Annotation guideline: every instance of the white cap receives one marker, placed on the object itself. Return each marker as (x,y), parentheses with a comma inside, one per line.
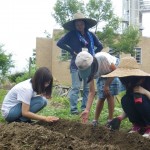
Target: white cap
(83,62)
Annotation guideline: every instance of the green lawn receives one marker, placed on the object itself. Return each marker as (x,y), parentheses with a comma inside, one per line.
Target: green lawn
(59,106)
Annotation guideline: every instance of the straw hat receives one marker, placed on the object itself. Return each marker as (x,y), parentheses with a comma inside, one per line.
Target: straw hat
(127,67)
(79,16)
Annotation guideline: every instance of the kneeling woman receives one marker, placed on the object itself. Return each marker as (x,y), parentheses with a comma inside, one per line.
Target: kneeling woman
(136,101)
(27,98)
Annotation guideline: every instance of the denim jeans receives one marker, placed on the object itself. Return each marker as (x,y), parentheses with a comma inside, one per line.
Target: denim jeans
(15,113)
(75,89)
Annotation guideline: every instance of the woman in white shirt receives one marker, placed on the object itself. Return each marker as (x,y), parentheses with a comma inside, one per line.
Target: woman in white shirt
(92,68)
(27,98)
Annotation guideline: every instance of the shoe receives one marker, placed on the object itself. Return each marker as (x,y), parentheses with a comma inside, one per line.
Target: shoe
(95,123)
(147,133)
(17,120)
(113,124)
(25,121)
(108,123)
(29,121)
(135,128)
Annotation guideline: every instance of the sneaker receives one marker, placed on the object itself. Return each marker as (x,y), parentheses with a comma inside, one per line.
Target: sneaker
(95,123)
(147,133)
(108,123)
(135,128)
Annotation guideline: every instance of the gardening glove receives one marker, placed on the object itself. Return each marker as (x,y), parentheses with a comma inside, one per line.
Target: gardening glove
(114,124)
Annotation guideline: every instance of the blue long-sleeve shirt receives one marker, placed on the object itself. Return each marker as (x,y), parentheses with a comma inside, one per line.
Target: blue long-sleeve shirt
(71,43)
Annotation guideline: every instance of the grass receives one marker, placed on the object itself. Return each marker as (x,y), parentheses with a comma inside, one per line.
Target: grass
(2,95)
(60,107)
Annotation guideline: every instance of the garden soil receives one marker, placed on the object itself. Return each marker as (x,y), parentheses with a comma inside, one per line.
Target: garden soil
(67,135)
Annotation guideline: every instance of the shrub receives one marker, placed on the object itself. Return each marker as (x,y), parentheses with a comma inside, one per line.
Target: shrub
(13,77)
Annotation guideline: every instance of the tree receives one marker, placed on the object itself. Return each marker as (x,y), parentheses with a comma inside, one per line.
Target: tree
(102,12)
(64,10)
(5,61)
(32,63)
(127,41)
(33,58)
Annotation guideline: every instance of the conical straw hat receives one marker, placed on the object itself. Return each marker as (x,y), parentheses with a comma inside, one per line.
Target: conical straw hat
(79,16)
(128,67)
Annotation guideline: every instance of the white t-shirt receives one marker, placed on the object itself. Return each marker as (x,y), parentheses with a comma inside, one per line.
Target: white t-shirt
(104,61)
(21,92)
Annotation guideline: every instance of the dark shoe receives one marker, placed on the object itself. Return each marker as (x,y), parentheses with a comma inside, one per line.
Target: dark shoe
(18,120)
(95,123)
(108,123)
(114,124)
(27,121)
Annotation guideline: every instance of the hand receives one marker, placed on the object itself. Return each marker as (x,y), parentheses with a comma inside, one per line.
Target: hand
(84,116)
(114,124)
(51,119)
(139,89)
(106,90)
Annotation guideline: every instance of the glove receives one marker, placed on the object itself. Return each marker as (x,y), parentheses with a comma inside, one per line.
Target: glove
(114,124)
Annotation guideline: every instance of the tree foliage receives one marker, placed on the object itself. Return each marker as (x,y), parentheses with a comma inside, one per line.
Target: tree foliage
(5,61)
(64,10)
(102,11)
(127,41)
(108,26)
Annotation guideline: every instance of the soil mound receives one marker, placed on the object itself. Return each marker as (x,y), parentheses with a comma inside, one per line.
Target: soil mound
(67,135)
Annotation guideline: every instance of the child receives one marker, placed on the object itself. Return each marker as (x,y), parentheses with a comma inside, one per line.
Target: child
(27,98)
(136,101)
(92,68)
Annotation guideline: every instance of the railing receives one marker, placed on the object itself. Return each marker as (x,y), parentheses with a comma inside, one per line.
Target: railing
(61,90)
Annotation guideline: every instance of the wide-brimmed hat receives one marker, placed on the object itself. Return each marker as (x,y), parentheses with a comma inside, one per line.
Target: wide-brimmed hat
(83,62)
(79,16)
(128,67)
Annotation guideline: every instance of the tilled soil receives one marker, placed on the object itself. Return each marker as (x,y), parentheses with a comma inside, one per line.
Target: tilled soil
(67,135)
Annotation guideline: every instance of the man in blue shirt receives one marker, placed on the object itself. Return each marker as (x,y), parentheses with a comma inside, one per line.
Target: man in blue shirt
(78,39)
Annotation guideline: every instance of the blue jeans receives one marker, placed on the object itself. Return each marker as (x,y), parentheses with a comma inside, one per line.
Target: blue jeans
(15,113)
(75,89)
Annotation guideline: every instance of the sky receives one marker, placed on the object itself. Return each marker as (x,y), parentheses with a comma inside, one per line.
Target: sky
(24,20)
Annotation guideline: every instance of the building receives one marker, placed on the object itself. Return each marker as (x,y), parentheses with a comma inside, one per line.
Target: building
(48,54)
(132,12)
